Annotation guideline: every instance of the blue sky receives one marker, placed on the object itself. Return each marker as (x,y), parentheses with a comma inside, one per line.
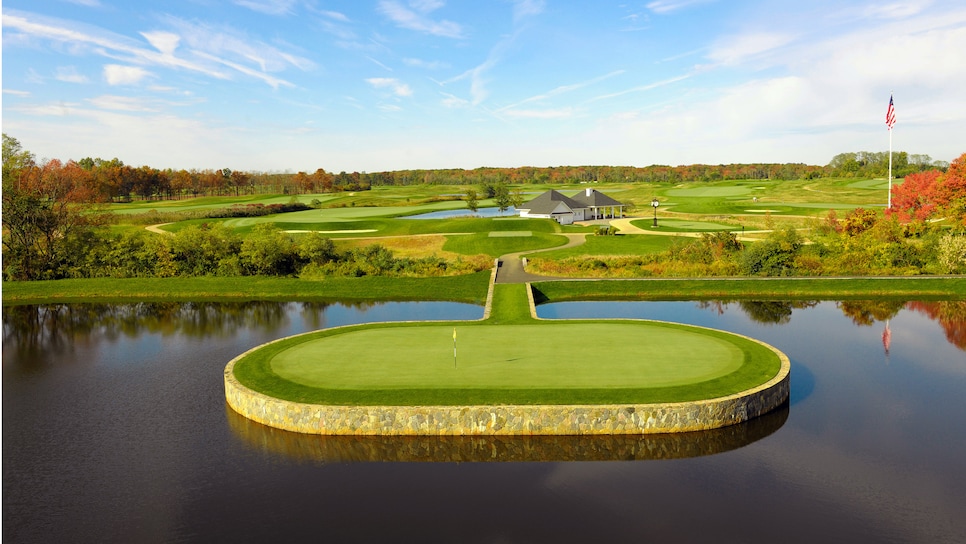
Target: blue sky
(373,85)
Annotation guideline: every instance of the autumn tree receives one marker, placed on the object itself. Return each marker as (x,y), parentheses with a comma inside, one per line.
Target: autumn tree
(924,195)
(950,192)
(914,199)
(44,222)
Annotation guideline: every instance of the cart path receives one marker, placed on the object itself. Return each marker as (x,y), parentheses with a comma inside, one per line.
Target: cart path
(510,266)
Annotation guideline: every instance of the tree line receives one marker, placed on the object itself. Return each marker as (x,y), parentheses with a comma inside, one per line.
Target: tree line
(51,229)
(100,180)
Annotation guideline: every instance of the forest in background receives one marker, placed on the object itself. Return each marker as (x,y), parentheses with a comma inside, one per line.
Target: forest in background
(99,180)
(51,230)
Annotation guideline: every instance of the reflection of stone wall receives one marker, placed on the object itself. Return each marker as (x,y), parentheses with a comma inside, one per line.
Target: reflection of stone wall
(461,449)
(507,419)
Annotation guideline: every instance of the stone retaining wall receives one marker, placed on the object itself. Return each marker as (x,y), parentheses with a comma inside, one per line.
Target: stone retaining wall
(508,419)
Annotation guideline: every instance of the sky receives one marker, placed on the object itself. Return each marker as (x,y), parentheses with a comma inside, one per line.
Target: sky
(378,85)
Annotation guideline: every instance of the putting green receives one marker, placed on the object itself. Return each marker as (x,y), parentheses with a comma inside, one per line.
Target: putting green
(539,363)
(510,356)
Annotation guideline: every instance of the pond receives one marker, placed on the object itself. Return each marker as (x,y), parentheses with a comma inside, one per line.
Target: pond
(465,212)
(115,429)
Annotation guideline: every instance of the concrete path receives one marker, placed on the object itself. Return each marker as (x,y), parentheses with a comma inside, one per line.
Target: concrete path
(510,267)
(157,229)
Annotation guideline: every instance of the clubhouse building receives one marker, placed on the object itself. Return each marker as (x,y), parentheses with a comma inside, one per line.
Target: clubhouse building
(586,205)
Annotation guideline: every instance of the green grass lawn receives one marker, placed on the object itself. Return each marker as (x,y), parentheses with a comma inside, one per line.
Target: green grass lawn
(683,225)
(917,288)
(469,288)
(495,246)
(596,246)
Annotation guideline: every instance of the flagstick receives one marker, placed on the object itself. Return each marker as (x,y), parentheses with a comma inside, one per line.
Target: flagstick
(454,347)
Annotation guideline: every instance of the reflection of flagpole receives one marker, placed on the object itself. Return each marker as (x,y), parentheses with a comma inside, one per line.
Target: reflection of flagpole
(886,338)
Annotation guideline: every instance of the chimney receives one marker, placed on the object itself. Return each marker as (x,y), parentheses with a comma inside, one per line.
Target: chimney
(588,191)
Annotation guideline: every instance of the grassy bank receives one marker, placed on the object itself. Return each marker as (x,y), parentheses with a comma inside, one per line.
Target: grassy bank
(470,288)
(921,288)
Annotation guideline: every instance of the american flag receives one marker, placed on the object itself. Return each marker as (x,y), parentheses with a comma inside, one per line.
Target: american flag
(890,114)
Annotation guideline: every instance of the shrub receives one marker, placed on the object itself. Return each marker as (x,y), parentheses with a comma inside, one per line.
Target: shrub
(951,254)
(267,251)
(775,256)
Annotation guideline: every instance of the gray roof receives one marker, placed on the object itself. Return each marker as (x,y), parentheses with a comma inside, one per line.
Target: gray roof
(546,203)
(596,199)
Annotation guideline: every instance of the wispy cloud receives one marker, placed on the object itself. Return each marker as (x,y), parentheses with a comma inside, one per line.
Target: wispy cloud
(379,64)
(121,103)
(454,102)
(268,7)
(896,10)
(14,92)
(527,8)
(561,113)
(192,46)
(416,17)
(397,87)
(641,88)
(84,38)
(335,16)
(235,46)
(164,42)
(734,50)
(271,80)
(88,3)
(115,74)
(69,74)
(147,104)
(427,64)
(564,89)
(667,6)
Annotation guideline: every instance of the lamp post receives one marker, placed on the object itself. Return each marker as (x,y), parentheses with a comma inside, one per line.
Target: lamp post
(655,204)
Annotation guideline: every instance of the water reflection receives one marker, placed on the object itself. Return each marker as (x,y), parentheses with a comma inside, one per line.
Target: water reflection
(34,332)
(949,315)
(461,449)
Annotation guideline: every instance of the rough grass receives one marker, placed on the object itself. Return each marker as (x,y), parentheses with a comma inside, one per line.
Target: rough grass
(919,288)
(470,288)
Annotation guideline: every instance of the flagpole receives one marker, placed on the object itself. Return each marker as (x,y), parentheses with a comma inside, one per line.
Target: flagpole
(889,204)
(890,120)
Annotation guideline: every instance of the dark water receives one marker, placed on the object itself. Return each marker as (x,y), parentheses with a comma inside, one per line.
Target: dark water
(115,429)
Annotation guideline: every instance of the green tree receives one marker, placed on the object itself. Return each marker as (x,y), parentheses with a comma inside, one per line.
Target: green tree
(205,250)
(17,161)
(502,197)
(472,201)
(313,248)
(267,251)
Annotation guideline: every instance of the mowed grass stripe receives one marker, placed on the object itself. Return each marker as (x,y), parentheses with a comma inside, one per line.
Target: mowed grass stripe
(569,356)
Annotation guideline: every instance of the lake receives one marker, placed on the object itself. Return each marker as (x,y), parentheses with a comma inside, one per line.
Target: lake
(115,429)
